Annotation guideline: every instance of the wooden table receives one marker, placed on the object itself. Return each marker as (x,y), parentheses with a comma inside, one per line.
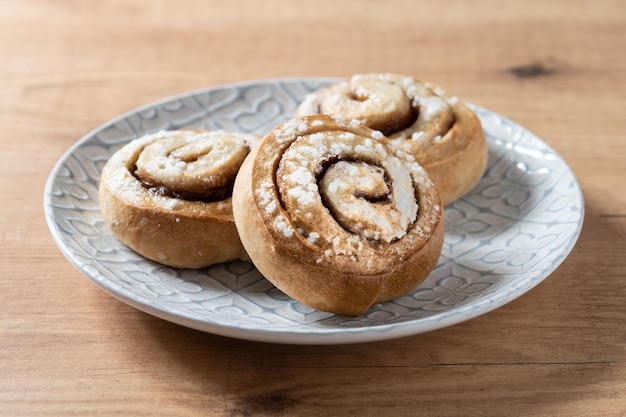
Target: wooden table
(555,67)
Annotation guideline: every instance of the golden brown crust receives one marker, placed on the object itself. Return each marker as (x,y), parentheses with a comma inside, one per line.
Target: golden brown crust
(440,131)
(161,226)
(370,248)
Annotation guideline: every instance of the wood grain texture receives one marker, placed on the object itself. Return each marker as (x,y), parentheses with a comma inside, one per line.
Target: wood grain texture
(556,67)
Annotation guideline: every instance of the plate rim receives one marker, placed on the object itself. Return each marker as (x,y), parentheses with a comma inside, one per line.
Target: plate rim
(285,335)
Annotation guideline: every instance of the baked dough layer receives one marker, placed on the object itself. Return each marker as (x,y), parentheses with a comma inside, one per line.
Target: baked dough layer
(443,134)
(167,196)
(335,216)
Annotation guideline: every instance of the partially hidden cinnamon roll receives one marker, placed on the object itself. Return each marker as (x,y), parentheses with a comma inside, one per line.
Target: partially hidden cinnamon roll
(335,216)
(443,134)
(167,196)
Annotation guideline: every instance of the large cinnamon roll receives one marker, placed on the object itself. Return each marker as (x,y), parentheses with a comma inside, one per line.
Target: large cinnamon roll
(167,196)
(335,216)
(440,131)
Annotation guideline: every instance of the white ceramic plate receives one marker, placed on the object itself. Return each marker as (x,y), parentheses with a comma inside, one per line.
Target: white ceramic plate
(502,239)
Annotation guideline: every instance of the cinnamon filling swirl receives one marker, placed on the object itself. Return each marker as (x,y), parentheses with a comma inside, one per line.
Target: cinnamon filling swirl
(335,216)
(168,196)
(439,131)
(191,166)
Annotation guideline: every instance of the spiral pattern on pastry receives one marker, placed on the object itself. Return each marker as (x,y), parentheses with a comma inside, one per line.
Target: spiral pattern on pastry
(167,196)
(335,216)
(440,131)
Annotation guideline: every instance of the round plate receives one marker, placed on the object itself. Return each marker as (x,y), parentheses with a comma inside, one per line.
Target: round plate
(503,238)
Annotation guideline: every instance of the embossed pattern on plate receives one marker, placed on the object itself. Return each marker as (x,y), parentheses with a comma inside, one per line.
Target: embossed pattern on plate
(502,239)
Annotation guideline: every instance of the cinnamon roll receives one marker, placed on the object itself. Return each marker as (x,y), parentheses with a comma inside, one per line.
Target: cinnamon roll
(440,131)
(167,196)
(335,216)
